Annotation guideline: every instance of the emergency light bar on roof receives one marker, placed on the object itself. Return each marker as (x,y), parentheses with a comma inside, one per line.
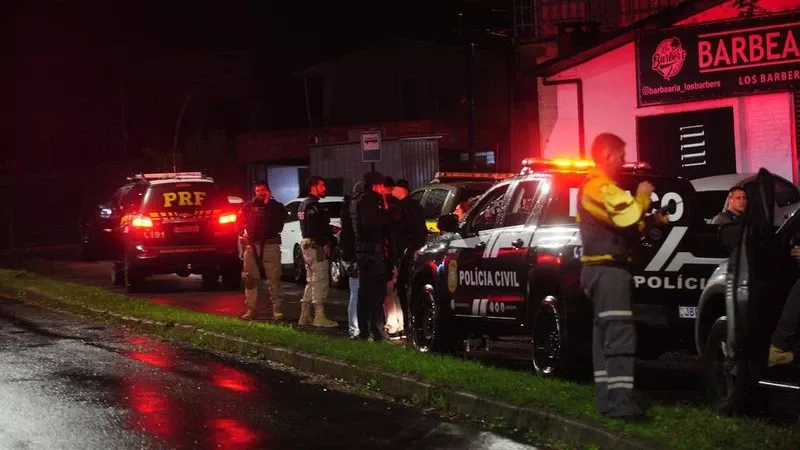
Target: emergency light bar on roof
(167,175)
(472,176)
(530,165)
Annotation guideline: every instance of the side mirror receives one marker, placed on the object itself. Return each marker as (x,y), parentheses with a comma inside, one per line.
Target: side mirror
(104,211)
(448,223)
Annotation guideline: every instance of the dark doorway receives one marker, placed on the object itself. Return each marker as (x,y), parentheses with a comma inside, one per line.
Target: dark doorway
(691,144)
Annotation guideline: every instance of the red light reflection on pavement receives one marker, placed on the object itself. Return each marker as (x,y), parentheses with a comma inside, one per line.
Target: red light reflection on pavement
(230,378)
(154,353)
(155,414)
(226,304)
(231,434)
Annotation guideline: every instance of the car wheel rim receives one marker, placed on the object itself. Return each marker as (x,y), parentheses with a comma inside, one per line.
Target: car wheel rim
(546,340)
(336,273)
(424,321)
(724,372)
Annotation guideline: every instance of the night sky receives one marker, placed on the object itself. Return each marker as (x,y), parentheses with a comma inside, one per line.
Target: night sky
(75,69)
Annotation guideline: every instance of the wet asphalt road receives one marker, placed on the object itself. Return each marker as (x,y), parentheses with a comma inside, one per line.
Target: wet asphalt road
(70,384)
(673,378)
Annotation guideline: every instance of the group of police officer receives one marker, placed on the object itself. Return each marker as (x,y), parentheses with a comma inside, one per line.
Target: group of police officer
(381,228)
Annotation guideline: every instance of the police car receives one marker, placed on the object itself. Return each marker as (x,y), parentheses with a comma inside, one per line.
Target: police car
(182,223)
(512,268)
(448,189)
(735,364)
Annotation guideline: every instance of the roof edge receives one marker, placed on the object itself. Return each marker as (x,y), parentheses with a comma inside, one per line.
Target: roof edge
(614,40)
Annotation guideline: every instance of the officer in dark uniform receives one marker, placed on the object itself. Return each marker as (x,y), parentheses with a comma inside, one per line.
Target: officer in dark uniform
(736,204)
(610,221)
(263,219)
(315,226)
(371,220)
(410,240)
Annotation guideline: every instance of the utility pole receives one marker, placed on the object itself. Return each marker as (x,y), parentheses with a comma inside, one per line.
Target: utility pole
(471,105)
(177,132)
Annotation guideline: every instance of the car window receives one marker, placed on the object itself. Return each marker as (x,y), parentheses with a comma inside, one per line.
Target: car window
(133,197)
(785,193)
(183,197)
(563,194)
(521,203)
(486,212)
(417,196)
(291,207)
(471,190)
(433,203)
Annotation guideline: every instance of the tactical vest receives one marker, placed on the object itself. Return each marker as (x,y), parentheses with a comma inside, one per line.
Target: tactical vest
(599,238)
(306,225)
(257,219)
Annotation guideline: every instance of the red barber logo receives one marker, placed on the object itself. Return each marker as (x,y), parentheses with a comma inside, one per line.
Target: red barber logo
(669,57)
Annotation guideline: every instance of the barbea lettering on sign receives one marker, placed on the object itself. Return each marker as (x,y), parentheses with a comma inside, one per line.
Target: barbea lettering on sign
(767,46)
(183,198)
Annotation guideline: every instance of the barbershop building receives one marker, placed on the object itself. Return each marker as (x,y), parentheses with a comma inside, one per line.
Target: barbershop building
(711,94)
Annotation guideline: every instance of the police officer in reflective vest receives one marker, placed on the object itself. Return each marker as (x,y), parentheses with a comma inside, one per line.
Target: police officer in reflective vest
(263,219)
(610,221)
(315,226)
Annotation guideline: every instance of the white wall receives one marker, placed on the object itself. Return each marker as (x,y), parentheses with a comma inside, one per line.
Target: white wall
(763,124)
(284,182)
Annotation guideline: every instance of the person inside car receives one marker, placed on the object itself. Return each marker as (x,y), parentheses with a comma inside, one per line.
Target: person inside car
(737,202)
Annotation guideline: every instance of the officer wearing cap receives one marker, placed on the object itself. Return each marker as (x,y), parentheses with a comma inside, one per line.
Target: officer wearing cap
(610,221)
(263,219)
(315,226)
(371,220)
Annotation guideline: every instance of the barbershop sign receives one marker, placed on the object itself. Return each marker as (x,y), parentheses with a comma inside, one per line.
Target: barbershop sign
(719,59)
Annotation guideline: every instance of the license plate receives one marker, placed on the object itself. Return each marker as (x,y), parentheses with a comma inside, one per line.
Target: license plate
(187,228)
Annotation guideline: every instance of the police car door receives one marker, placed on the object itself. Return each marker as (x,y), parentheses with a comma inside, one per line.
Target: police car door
(466,256)
(753,266)
(505,263)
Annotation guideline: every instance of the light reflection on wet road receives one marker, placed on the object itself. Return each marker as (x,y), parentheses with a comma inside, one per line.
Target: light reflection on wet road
(67,383)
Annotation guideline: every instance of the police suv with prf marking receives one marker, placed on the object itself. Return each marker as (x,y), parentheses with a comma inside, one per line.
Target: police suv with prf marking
(512,267)
(181,223)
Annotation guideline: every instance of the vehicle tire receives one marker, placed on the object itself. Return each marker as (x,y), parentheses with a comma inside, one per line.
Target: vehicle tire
(210,280)
(554,350)
(428,329)
(232,276)
(298,265)
(118,274)
(728,382)
(134,279)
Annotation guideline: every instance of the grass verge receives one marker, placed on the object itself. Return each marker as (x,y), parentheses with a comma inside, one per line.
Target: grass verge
(675,426)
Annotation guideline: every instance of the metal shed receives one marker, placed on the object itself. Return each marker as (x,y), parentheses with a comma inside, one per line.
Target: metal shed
(415,159)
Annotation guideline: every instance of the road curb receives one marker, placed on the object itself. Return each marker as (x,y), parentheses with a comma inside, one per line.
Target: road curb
(518,417)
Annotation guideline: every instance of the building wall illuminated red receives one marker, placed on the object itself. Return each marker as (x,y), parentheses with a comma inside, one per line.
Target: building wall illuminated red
(764,124)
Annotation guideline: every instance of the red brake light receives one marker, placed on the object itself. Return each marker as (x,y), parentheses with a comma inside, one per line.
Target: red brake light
(142,222)
(544,258)
(227,218)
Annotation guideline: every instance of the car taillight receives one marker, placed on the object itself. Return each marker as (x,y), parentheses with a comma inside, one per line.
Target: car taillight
(142,222)
(544,258)
(227,218)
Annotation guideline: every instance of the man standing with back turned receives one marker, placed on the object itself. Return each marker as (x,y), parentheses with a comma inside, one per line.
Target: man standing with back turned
(610,221)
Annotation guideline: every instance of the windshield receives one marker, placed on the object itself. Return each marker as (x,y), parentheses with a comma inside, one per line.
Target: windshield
(184,197)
